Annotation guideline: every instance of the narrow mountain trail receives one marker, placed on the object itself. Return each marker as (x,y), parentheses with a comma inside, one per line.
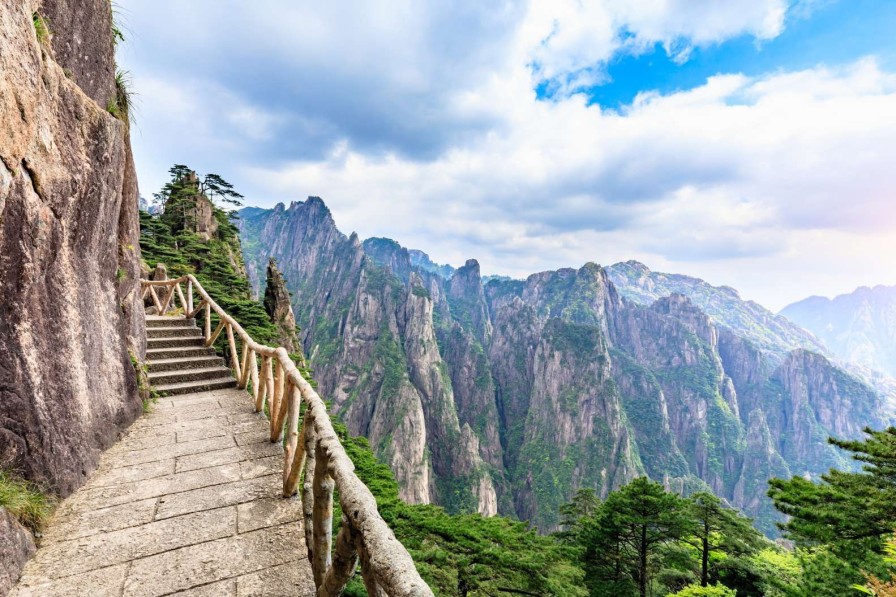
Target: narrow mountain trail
(187,503)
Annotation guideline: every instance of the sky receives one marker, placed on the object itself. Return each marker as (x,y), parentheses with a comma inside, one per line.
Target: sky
(751,143)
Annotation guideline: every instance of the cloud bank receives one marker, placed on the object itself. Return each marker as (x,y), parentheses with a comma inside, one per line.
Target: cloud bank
(423,124)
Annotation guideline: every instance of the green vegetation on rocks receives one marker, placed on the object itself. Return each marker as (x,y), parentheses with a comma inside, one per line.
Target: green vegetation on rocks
(25,501)
(465,555)
(173,237)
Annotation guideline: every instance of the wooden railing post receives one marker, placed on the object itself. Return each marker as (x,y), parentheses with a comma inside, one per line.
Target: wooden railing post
(155,300)
(292,450)
(298,460)
(308,486)
(345,560)
(221,325)
(244,367)
(189,296)
(234,359)
(180,297)
(322,516)
(276,405)
(167,299)
(367,575)
(208,322)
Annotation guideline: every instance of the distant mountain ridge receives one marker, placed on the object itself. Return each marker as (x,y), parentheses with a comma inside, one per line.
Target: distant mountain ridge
(859,327)
(749,319)
(507,396)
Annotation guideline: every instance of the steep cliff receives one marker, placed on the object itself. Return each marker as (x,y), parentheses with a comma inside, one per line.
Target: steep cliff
(507,397)
(279,308)
(69,262)
(371,339)
(70,315)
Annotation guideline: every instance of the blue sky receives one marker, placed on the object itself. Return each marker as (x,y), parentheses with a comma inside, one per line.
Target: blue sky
(748,142)
(833,32)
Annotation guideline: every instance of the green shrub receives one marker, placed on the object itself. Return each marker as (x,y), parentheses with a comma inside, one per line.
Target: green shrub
(716,590)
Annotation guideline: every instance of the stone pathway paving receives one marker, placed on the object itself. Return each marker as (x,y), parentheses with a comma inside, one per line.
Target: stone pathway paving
(187,504)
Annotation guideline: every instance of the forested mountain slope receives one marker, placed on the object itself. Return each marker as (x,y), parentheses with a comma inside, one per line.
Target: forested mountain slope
(507,397)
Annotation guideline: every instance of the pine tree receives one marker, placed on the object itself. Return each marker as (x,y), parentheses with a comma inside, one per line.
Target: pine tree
(720,530)
(848,515)
(628,531)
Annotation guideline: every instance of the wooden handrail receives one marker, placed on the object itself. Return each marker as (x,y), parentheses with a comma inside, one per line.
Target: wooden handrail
(313,448)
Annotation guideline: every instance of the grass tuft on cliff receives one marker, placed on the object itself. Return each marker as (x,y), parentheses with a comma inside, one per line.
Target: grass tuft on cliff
(121,105)
(24,501)
(41,29)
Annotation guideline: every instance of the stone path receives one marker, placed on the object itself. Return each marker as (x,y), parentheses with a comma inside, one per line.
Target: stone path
(187,504)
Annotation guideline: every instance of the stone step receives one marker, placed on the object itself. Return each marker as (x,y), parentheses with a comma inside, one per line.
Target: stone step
(192,362)
(190,387)
(187,342)
(157,321)
(185,352)
(173,332)
(163,378)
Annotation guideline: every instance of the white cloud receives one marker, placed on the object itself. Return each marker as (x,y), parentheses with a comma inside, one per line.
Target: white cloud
(420,122)
(570,40)
(708,180)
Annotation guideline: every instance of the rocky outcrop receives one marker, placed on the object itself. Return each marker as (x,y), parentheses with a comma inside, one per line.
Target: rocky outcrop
(279,308)
(373,344)
(507,398)
(69,260)
(16,546)
(201,211)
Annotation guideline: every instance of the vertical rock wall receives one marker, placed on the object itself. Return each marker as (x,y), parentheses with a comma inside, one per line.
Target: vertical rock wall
(69,256)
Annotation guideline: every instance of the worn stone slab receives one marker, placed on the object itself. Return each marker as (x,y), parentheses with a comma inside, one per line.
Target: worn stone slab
(174,450)
(251,437)
(189,567)
(238,454)
(131,474)
(183,415)
(143,441)
(215,589)
(261,467)
(217,496)
(189,435)
(106,582)
(248,416)
(189,400)
(104,497)
(207,428)
(83,523)
(286,580)
(264,513)
(98,551)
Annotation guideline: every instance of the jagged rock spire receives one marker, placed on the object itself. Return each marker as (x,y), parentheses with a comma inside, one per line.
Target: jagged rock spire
(277,304)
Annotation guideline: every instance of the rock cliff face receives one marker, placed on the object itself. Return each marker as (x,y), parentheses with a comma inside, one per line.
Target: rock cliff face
(279,308)
(16,546)
(859,327)
(69,257)
(508,397)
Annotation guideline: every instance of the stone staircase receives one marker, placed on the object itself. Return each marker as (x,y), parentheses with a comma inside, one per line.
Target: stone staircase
(178,360)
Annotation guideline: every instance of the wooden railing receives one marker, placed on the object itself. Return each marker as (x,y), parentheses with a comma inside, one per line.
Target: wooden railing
(312,447)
